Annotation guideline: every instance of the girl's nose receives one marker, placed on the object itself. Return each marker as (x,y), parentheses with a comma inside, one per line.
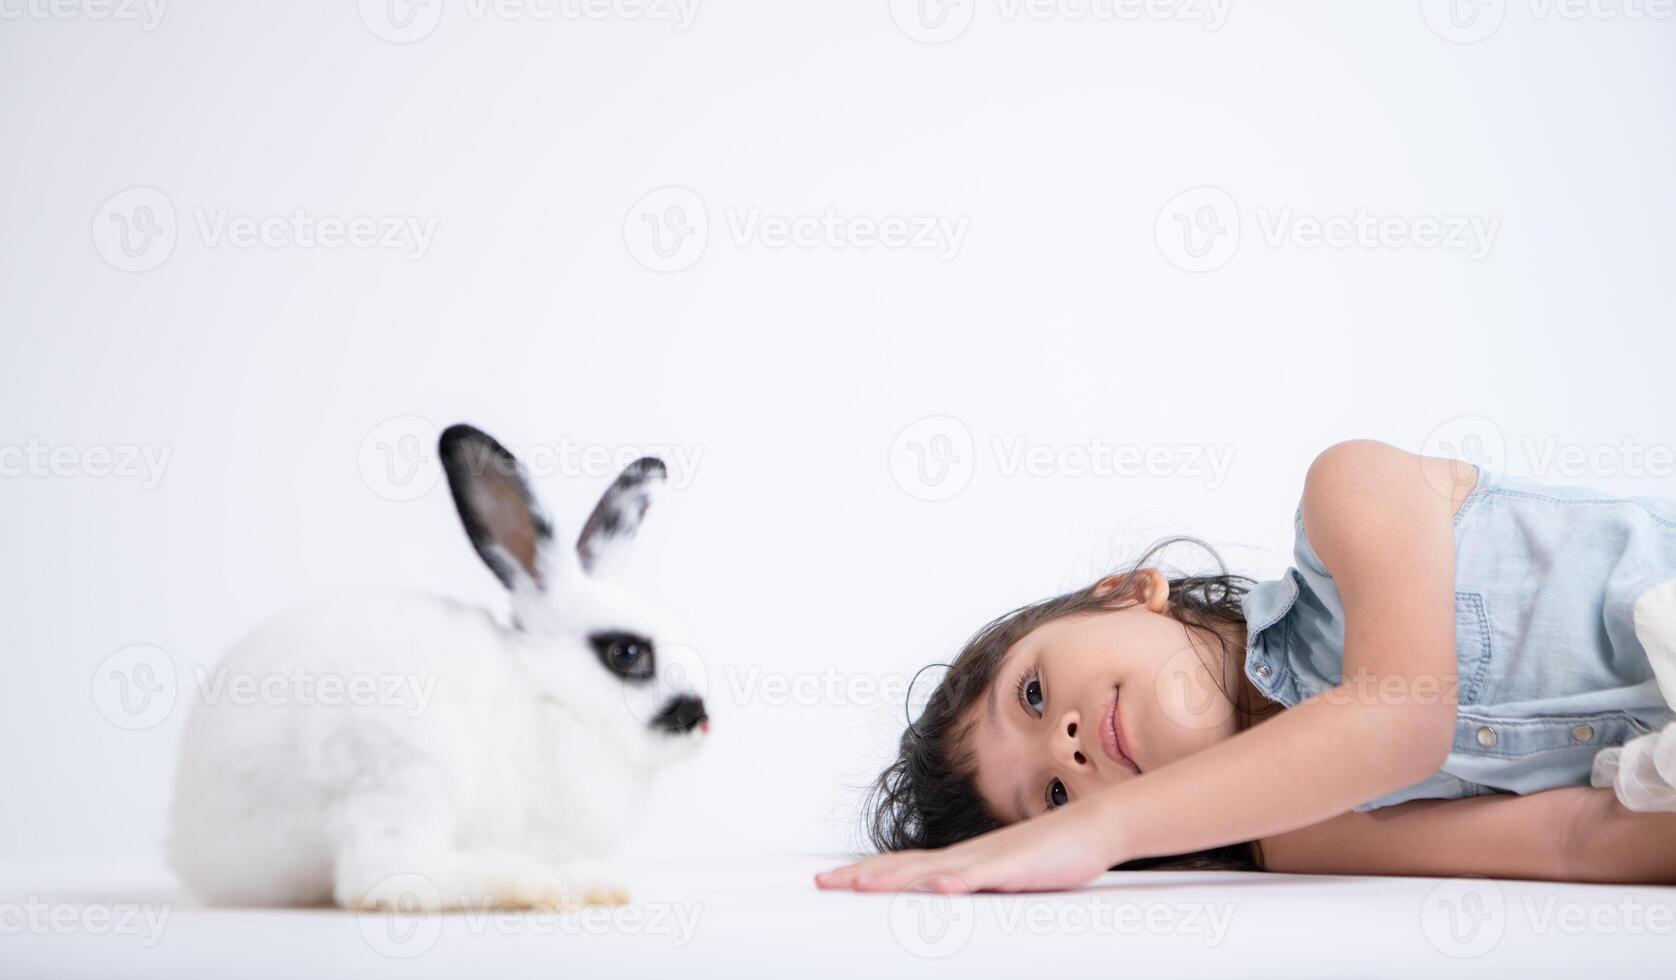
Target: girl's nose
(1069,747)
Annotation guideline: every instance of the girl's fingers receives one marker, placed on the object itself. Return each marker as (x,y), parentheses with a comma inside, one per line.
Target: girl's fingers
(950,884)
(940,871)
(921,873)
(847,875)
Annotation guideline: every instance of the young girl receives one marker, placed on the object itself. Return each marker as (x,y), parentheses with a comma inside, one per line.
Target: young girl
(1425,693)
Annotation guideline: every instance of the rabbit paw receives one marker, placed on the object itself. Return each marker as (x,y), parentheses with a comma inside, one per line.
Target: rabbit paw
(482,879)
(405,893)
(564,888)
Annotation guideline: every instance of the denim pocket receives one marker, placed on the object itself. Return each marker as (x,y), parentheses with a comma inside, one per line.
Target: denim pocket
(1473,650)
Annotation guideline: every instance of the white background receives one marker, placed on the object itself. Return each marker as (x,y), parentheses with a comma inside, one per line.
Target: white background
(799,549)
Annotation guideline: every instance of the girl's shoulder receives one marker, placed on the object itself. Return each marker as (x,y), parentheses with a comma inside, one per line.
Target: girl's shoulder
(1363,496)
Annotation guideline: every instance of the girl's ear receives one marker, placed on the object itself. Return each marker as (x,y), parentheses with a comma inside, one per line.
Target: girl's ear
(1149,587)
(500,514)
(605,540)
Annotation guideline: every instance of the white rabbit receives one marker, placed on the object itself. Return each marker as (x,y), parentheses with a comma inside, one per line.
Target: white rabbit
(385,748)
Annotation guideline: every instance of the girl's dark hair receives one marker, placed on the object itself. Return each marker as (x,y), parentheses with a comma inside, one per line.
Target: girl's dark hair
(928,797)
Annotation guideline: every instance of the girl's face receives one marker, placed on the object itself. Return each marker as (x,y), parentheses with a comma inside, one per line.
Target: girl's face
(1093,699)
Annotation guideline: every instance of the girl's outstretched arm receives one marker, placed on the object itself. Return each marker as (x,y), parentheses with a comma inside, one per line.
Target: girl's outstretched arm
(1573,834)
(1385,532)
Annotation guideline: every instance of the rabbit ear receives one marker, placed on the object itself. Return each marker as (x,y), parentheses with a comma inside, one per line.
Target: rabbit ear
(604,543)
(500,515)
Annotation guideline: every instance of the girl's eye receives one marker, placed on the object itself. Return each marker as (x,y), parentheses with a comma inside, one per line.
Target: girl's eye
(1030,694)
(1033,695)
(1057,797)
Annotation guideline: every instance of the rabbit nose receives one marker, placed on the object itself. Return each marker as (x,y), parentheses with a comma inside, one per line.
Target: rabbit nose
(681,715)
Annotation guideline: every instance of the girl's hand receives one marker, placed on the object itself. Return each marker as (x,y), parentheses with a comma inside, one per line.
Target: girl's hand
(1062,849)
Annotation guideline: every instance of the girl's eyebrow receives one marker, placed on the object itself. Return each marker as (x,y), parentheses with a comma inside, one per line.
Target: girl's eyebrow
(994,686)
(994,683)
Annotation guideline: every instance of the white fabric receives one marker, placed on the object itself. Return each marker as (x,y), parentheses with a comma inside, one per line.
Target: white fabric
(1642,772)
(761,916)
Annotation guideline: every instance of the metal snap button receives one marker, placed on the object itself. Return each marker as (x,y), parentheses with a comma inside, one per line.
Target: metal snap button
(1263,670)
(1583,733)
(1487,736)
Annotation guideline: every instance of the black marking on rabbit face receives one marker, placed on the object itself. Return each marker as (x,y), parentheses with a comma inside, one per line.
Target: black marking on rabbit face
(681,715)
(627,655)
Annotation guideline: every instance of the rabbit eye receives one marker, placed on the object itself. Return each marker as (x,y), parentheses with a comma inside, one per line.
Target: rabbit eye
(625,654)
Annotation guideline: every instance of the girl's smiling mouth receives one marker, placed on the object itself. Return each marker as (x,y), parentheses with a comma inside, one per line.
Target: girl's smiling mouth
(1111,736)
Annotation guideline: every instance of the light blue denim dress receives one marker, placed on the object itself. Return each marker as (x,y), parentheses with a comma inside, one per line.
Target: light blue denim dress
(1550,669)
